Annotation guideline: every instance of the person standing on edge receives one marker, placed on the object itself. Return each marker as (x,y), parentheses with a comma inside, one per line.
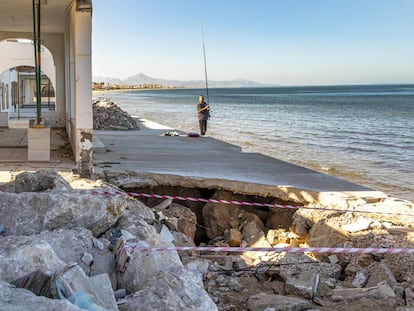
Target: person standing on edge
(203,113)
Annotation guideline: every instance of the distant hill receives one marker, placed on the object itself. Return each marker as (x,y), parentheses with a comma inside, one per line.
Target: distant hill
(142,78)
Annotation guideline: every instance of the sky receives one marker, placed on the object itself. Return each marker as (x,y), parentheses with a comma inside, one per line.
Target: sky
(284,42)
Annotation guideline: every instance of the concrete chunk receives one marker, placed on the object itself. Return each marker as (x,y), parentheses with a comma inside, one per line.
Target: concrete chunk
(302,284)
(103,290)
(262,301)
(232,237)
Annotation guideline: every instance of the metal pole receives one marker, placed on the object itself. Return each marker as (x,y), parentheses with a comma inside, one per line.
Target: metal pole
(36,41)
(18,92)
(39,72)
(48,94)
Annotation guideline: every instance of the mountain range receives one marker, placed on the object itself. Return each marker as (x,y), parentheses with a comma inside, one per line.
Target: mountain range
(142,78)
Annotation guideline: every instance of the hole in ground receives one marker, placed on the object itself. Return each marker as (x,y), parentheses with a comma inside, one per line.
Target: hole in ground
(219,217)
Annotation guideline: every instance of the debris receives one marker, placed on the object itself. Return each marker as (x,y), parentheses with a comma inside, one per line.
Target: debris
(232,237)
(361,279)
(382,291)
(262,301)
(38,282)
(333,259)
(87,258)
(164,204)
(358,225)
(85,249)
(107,115)
(170,134)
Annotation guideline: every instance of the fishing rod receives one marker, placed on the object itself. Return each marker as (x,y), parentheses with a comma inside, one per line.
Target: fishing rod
(205,66)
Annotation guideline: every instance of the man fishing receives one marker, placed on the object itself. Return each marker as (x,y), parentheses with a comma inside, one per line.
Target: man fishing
(203,113)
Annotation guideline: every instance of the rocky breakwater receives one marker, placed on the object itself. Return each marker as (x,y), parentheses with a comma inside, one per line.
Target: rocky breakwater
(63,248)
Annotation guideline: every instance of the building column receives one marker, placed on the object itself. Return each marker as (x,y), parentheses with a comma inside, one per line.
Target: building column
(82,118)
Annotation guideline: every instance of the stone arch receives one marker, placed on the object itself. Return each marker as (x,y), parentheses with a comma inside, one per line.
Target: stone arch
(48,90)
(18,53)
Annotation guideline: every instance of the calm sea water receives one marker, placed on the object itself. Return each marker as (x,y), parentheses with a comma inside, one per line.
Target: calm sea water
(363,134)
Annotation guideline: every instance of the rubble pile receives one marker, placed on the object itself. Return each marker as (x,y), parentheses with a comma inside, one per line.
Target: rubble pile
(66,248)
(297,281)
(63,248)
(108,116)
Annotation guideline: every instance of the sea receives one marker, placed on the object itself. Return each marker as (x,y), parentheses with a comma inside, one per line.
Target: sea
(360,133)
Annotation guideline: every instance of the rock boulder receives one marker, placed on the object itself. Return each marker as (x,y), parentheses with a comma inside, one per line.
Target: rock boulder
(20,255)
(29,213)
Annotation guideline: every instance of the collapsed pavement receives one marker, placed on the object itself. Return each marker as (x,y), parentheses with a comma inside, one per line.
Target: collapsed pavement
(65,247)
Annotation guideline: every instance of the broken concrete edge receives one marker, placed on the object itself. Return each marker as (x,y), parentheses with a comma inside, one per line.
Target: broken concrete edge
(136,179)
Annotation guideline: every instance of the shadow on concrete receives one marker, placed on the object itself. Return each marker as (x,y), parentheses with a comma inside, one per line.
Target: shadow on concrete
(13,152)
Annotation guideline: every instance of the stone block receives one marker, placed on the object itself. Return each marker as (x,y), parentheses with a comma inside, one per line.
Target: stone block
(232,237)
(39,156)
(302,284)
(40,145)
(38,133)
(38,140)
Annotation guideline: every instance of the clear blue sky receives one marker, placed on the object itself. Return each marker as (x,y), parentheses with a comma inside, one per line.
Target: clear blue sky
(288,42)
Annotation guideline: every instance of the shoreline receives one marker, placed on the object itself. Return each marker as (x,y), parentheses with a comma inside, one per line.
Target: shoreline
(97,92)
(152,153)
(324,161)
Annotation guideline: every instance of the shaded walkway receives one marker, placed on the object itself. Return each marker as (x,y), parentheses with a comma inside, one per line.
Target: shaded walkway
(13,152)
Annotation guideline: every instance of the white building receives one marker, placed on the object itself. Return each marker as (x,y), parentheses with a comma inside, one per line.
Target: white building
(66,31)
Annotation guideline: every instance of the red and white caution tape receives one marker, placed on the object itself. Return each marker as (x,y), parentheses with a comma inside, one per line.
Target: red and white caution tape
(232,202)
(124,251)
(333,250)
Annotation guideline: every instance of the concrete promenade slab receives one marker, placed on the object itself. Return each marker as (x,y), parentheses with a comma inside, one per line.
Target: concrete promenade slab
(148,151)
(213,163)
